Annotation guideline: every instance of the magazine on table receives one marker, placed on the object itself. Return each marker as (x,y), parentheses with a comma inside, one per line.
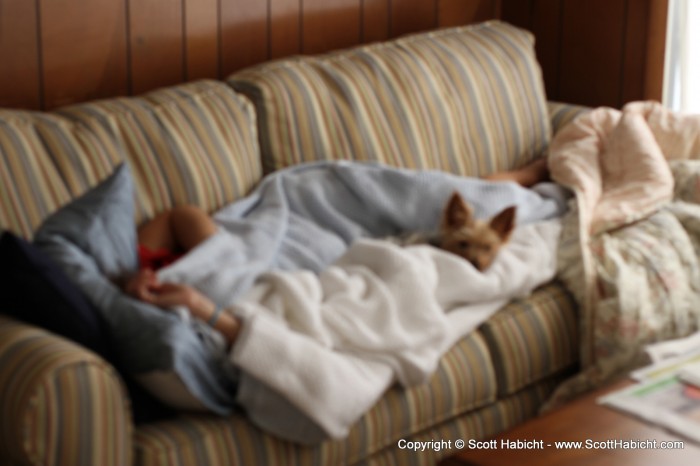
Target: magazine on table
(668,391)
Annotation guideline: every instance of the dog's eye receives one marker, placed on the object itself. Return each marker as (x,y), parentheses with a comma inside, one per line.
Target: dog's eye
(463,244)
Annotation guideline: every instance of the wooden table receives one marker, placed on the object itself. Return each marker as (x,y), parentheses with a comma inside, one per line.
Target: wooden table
(580,421)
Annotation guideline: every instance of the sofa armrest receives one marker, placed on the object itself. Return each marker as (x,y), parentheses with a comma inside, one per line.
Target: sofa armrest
(61,404)
(561,113)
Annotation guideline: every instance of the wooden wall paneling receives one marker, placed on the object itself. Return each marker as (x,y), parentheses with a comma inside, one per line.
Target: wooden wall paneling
(157,43)
(201,39)
(19,55)
(546,25)
(285,28)
(330,24)
(56,52)
(631,85)
(591,61)
(460,12)
(84,56)
(244,34)
(518,12)
(375,20)
(656,50)
(543,19)
(412,15)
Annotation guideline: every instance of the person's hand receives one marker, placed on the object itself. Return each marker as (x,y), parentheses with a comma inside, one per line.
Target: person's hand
(168,295)
(141,284)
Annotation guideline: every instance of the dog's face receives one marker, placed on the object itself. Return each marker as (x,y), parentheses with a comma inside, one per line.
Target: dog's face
(475,240)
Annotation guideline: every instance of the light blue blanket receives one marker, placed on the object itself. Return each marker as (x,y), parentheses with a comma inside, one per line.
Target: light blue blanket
(305,217)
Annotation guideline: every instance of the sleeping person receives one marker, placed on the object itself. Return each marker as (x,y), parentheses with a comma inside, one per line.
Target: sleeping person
(173,233)
(162,241)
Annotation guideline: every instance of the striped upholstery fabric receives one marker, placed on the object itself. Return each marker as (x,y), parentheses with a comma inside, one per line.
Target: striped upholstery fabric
(194,143)
(53,395)
(233,442)
(479,424)
(562,113)
(533,338)
(36,150)
(464,381)
(469,100)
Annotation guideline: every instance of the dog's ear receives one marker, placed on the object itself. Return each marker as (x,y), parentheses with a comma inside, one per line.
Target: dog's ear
(504,223)
(458,213)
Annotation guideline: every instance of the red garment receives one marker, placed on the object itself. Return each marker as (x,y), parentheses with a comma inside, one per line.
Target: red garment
(156,259)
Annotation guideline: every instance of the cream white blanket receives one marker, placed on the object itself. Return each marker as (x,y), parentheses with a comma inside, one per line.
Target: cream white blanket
(320,346)
(331,344)
(629,249)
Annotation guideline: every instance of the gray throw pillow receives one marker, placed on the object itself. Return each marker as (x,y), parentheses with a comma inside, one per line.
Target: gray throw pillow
(93,239)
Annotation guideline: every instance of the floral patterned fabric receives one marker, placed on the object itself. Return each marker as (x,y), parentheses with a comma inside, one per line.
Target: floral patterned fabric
(630,250)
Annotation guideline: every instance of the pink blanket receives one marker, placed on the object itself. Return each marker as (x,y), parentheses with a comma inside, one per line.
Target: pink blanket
(630,247)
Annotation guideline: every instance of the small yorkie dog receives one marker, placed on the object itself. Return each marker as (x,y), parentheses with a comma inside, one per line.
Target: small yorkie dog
(460,233)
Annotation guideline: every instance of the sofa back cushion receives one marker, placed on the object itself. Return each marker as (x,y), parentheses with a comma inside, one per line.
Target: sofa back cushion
(194,143)
(469,100)
(190,144)
(37,151)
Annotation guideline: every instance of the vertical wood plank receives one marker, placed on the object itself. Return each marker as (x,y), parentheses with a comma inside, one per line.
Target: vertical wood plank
(56,52)
(157,43)
(84,55)
(518,12)
(631,86)
(592,52)
(375,20)
(543,19)
(546,25)
(330,24)
(656,50)
(201,39)
(285,27)
(460,12)
(19,54)
(412,16)
(244,34)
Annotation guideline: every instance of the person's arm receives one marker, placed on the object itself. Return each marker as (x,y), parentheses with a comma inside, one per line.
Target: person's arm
(167,295)
(528,175)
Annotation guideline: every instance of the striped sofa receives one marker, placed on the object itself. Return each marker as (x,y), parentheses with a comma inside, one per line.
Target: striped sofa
(469,100)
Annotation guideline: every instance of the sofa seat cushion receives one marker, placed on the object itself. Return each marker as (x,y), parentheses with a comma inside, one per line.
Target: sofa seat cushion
(469,100)
(464,381)
(479,424)
(533,338)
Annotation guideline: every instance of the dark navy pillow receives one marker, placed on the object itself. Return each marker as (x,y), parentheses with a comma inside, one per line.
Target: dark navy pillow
(35,290)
